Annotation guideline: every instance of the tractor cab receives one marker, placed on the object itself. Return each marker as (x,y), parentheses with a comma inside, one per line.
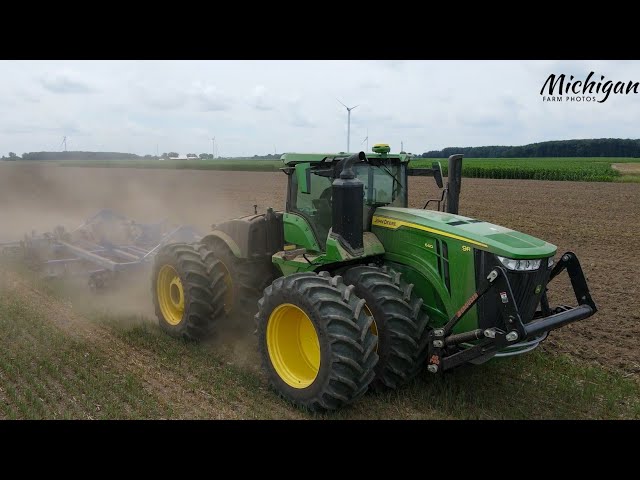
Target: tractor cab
(384,183)
(311,176)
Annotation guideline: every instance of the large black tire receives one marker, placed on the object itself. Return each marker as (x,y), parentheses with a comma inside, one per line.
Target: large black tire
(400,322)
(248,280)
(201,290)
(346,358)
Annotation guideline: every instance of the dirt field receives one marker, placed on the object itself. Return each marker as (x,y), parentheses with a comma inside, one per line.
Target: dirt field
(627,168)
(598,221)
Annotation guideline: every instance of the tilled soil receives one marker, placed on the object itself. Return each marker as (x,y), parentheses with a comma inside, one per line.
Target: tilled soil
(597,221)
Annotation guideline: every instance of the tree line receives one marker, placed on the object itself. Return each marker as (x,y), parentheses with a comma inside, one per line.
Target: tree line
(115,156)
(596,147)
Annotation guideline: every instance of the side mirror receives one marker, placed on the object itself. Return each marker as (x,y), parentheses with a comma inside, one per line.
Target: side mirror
(303,175)
(437,173)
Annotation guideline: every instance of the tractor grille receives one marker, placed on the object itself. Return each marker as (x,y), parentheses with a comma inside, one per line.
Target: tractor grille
(523,285)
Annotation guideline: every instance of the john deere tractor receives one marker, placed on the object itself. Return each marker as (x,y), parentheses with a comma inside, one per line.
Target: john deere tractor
(352,290)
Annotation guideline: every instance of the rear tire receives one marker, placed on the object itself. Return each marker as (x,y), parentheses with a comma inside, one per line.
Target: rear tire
(400,322)
(188,290)
(315,341)
(245,281)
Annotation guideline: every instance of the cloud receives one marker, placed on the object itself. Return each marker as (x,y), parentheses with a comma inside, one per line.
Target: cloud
(297,113)
(167,100)
(259,99)
(66,83)
(137,129)
(208,98)
(481,120)
(19,129)
(36,129)
(395,65)
(364,115)
(250,105)
(27,96)
(160,95)
(407,124)
(369,85)
(298,119)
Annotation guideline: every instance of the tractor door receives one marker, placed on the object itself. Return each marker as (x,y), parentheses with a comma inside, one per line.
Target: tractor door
(309,195)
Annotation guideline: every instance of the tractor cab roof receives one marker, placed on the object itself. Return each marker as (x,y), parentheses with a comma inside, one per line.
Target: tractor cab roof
(290,159)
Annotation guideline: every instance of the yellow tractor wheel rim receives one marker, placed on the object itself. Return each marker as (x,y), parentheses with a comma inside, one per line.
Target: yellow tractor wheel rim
(374,327)
(228,296)
(293,345)
(170,295)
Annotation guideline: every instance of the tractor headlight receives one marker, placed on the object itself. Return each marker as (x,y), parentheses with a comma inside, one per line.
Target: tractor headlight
(520,265)
(550,262)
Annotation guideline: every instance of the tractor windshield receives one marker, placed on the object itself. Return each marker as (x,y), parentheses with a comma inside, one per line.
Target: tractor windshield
(381,187)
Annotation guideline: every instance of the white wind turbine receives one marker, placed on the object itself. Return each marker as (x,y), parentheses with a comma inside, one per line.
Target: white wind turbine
(348,123)
(366,139)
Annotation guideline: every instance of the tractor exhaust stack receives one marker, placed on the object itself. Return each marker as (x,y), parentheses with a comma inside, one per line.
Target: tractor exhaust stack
(454,181)
(347,204)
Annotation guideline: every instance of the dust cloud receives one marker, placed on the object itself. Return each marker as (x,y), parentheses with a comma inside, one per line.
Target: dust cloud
(39,197)
(235,340)
(42,196)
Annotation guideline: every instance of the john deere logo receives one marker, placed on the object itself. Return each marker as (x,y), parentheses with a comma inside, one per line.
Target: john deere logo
(385,222)
(538,289)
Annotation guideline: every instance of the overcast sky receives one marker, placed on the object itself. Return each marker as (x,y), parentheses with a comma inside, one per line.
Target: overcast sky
(252,107)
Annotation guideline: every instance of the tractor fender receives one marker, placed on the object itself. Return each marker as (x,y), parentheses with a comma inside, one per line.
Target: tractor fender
(230,242)
(439,290)
(426,279)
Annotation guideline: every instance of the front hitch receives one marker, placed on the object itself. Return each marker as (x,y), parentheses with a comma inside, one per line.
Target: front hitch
(569,261)
(444,353)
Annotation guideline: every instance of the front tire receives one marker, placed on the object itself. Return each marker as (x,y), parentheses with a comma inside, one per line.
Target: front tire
(400,322)
(315,341)
(188,288)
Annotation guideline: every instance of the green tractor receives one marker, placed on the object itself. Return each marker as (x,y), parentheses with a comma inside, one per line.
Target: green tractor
(352,290)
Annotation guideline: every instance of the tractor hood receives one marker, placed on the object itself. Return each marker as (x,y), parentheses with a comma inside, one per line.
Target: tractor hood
(481,235)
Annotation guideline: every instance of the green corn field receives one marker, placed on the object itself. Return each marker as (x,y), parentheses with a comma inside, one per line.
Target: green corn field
(568,169)
(588,169)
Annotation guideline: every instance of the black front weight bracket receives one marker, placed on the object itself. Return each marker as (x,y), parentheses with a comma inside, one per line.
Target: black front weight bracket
(569,261)
(494,339)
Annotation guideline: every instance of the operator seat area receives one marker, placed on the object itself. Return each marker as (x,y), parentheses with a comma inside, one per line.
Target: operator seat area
(323,212)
